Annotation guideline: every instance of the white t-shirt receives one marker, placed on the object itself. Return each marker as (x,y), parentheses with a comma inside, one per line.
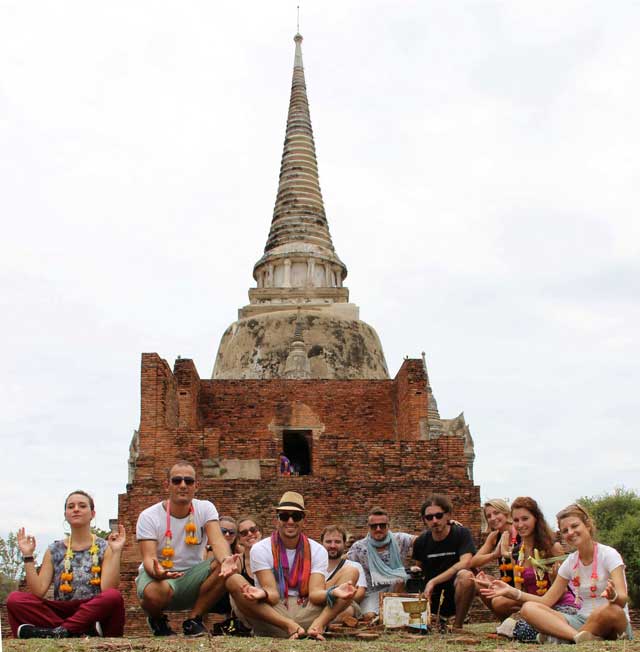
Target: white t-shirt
(608,560)
(262,559)
(152,524)
(362,580)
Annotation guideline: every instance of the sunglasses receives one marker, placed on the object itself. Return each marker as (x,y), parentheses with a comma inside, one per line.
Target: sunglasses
(251,530)
(296,516)
(430,517)
(225,530)
(179,479)
(378,526)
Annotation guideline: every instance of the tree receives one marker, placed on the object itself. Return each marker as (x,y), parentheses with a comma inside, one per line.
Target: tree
(617,517)
(11,565)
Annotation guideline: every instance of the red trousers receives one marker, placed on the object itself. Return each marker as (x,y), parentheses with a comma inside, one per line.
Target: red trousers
(76,616)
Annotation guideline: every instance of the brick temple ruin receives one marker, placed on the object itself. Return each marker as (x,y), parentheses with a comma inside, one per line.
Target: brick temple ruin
(298,371)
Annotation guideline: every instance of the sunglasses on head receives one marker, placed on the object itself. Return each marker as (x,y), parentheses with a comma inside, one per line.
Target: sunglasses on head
(226,530)
(378,526)
(296,516)
(250,530)
(179,479)
(430,517)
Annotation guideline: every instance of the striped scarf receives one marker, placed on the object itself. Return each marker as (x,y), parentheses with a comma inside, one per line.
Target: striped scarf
(296,577)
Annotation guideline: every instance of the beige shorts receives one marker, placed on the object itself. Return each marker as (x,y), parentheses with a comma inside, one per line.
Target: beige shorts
(304,615)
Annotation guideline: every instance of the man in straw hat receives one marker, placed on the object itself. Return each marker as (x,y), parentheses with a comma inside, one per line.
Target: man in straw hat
(290,597)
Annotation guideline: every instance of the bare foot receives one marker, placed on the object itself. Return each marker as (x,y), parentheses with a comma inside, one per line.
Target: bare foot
(298,633)
(316,633)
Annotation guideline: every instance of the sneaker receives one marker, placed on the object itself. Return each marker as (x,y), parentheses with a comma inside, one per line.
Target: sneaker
(160,626)
(506,627)
(31,631)
(193,627)
(584,635)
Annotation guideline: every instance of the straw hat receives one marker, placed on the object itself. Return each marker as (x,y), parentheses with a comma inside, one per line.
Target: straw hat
(291,501)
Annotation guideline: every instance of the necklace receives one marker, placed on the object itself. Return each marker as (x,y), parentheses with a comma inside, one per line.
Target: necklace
(506,563)
(518,567)
(190,537)
(594,572)
(66,576)
(541,582)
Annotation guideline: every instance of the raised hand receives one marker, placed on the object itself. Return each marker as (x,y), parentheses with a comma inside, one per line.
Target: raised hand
(116,539)
(610,592)
(345,590)
(161,573)
(26,543)
(496,588)
(229,565)
(253,593)
(483,580)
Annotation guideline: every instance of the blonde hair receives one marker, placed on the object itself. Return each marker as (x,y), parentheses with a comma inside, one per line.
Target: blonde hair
(498,504)
(579,512)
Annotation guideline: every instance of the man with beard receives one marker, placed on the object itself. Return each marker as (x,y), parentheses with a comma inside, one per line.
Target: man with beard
(444,551)
(340,569)
(382,554)
(290,598)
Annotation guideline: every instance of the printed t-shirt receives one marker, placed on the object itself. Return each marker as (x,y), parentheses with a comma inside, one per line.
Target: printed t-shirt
(438,556)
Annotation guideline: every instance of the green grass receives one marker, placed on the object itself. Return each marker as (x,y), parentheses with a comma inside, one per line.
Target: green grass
(388,642)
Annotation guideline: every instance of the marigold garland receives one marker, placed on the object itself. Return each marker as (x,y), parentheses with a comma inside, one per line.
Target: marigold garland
(594,573)
(66,576)
(541,582)
(190,537)
(518,567)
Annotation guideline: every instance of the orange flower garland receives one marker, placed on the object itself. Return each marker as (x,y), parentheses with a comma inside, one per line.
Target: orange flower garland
(518,567)
(66,577)
(504,568)
(190,537)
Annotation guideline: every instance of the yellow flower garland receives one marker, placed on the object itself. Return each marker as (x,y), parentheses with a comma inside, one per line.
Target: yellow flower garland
(66,576)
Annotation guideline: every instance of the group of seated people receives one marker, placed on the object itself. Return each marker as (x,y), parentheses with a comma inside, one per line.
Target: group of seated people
(287,585)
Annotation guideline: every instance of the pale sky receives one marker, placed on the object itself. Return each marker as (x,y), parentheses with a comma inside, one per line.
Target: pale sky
(480,168)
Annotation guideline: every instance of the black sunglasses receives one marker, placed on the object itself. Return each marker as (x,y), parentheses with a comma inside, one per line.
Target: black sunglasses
(253,529)
(378,526)
(179,479)
(430,517)
(296,516)
(226,530)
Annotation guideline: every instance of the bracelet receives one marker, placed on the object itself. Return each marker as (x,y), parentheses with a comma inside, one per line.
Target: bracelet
(330,599)
(29,558)
(614,598)
(519,596)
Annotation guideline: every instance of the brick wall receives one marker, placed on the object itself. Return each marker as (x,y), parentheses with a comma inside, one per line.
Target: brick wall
(366,450)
